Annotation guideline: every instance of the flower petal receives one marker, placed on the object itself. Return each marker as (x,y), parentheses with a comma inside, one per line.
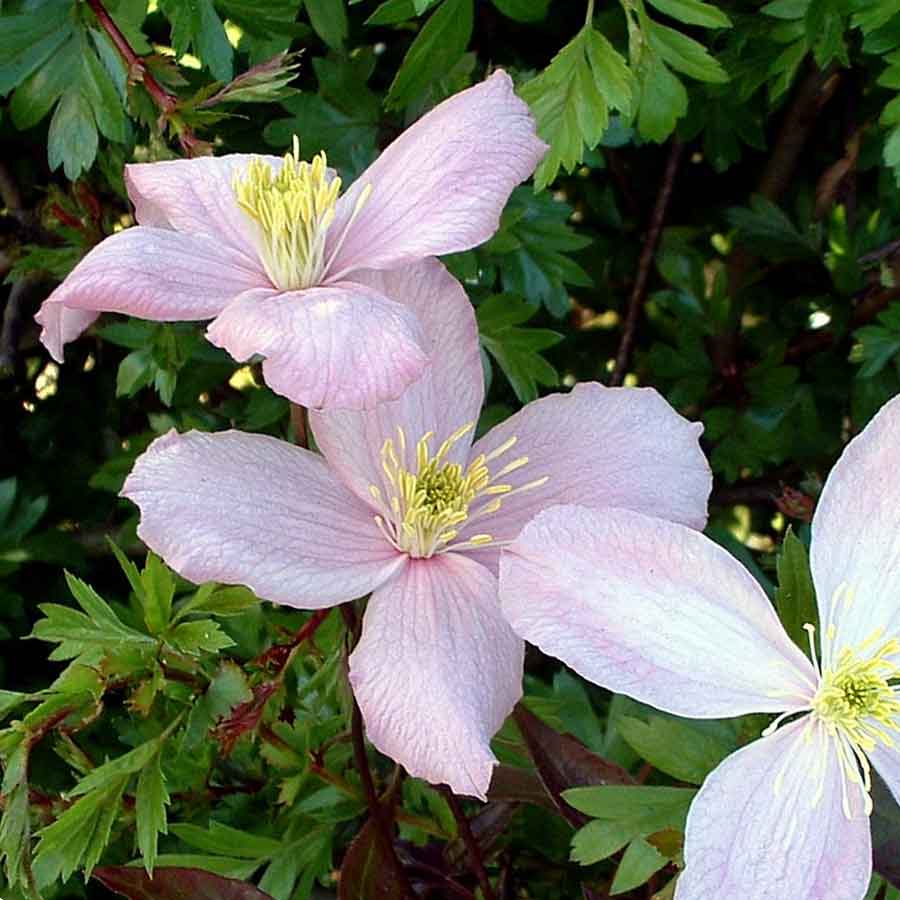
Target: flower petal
(249,509)
(344,346)
(437,671)
(887,761)
(447,396)
(61,324)
(151,273)
(441,186)
(601,446)
(651,609)
(753,830)
(196,196)
(855,551)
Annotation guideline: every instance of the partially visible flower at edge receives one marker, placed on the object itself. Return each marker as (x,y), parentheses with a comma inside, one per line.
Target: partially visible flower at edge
(405,506)
(653,610)
(268,248)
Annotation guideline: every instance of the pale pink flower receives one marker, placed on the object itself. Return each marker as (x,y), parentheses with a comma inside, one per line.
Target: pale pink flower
(403,505)
(269,250)
(656,611)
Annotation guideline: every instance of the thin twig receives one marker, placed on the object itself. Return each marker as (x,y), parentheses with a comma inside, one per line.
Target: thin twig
(383,824)
(137,67)
(468,838)
(639,291)
(20,298)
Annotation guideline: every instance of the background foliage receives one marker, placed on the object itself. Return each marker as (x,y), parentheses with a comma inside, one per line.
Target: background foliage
(717,217)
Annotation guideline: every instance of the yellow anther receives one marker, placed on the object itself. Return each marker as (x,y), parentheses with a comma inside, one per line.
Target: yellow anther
(294,210)
(430,500)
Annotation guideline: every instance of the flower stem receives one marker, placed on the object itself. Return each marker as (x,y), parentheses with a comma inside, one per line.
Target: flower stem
(589,15)
(381,819)
(469,839)
(137,67)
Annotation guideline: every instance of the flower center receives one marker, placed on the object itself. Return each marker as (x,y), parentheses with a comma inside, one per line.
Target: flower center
(294,210)
(429,499)
(858,702)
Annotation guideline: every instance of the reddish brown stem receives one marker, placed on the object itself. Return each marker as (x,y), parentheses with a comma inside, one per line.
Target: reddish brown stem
(137,67)
(300,424)
(384,826)
(639,291)
(468,838)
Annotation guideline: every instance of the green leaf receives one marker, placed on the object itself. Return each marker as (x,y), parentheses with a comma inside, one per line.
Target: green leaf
(645,810)
(523,10)
(533,250)
(151,800)
(159,589)
(35,96)
(392,12)
(517,350)
(685,54)
(693,12)
(598,840)
(78,837)
(102,95)
(329,19)
(196,638)
(436,49)
(663,100)
(223,601)
(27,41)
(197,28)
(796,596)
(135,372)
(9,700)
(688,751)
(638,863)
(72,139)
(227,841)
(91,630)
(572,97)
(121,767)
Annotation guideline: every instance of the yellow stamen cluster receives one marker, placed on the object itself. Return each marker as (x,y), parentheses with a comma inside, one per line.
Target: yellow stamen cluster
(294,210)
(859,706)
(430,500)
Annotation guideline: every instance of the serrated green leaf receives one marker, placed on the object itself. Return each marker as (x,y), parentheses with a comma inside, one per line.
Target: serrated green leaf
(72,139)
(121,767)
(158,584)
(693,12)
(102,95)
(151,800)
(572,97)
(663,101)
(795,597)
(685,54)
(436,49)
(135,372)
(78,837)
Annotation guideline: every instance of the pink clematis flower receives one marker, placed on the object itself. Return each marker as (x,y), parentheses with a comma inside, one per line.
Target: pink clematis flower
(403,505)
(270,250)
(651,609)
